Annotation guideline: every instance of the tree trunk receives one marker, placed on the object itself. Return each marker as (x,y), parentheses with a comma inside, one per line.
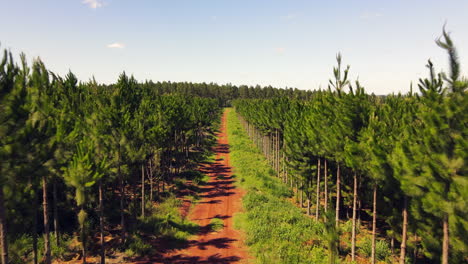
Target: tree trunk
(374,223)
(283,173)
(151,179)
(3,229)
(122,195)
(47,259)
(56,231)
(318,192)
(270,149)
(308,206)
(338,189)
(445,242)
(301,196)
(296,194)
(326,186)
(101,223)
(359,212)
(163,187)
(34,234)
(267,149)
(404,231)
(158,190)
(353,235)
(277,153)
(83,239)
(142,191)
(415,251)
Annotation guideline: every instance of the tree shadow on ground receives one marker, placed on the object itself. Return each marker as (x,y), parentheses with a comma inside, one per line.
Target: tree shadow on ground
(219,243)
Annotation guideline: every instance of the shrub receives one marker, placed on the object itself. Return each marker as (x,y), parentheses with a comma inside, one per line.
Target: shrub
(21,249)
(382,249)
(137,247)
(347,227)
(216,224)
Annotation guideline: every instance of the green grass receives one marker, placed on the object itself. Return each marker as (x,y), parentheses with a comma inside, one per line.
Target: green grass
(277,231)
(20,249)
(216,224)
(382,249)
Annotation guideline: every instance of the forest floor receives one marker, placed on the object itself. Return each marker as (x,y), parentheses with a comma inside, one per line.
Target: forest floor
(220,200)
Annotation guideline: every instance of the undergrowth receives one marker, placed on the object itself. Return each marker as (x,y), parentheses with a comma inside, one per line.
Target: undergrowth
(20,250)
(216,224)
(277,231)
(164,221)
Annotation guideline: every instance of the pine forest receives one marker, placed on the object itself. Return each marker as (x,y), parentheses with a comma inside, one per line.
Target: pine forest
(187,172)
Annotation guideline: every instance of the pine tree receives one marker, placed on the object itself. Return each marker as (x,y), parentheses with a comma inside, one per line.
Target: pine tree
(11,117)
(82,174)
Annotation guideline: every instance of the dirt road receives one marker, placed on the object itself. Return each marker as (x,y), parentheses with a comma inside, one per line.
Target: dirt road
(219,199)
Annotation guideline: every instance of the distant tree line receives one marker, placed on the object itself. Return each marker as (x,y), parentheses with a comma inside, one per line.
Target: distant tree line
(226,93)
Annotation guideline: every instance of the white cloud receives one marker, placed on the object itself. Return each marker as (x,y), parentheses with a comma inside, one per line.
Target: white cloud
(116,45)
(93,3)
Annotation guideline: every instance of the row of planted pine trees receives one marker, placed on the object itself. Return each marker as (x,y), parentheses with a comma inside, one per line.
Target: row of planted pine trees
(85,151)
(400,160)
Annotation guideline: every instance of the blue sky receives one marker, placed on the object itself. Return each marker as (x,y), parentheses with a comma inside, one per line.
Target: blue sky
(281,43)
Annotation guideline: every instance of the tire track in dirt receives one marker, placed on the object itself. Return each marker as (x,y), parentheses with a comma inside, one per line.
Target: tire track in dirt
(219,199)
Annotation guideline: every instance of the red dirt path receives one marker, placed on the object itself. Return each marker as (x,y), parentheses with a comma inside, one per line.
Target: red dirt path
(220,199)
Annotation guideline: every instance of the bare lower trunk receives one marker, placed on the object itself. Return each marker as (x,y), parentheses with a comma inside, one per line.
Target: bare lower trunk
(338,189)
(56,231)
(34,234)
(277,153)
(374,223)
(308,206)
(445,242)
(158,186)
(296,195)
(3,229)
(283,175)
(47,258)
(404,232)
(359,212)
(415,251)
(83,239)
(142,191)
(151,180)
(101,223)
(326,186)
(301,197)
(353,235)
(122,213)
(317,203)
